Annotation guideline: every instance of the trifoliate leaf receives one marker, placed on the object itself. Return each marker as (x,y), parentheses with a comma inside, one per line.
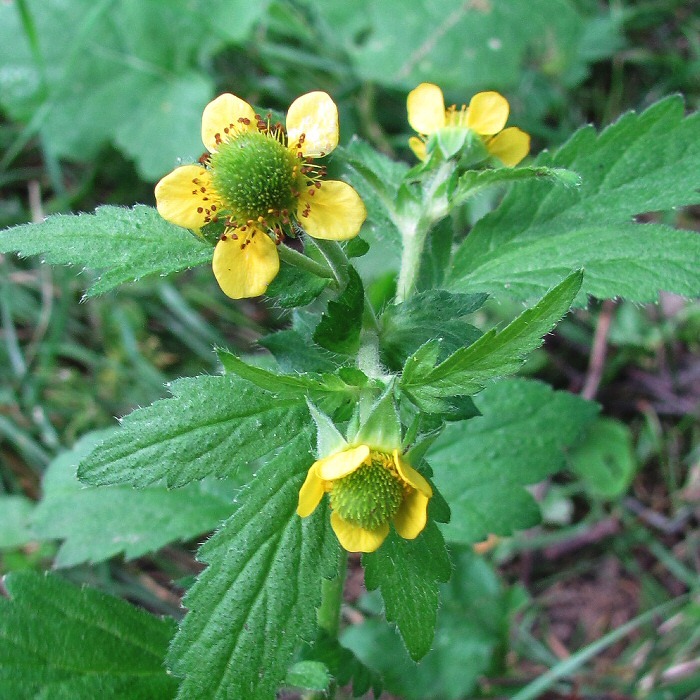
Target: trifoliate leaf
(472,624)
(495,354)
(258,597)
(62,642)
(15,521)
(118,519)
(407,573)
(339,327)
(481,466)
(425,316)
(121,245)
(213,426)
(643,163)
(605,460)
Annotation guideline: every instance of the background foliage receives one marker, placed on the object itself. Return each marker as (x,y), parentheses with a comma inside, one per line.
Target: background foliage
(100,99)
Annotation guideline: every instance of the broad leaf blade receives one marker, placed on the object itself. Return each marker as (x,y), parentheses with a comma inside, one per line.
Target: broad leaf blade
(121,244)
(644,162)
(495,354)
(259,594)
(118,519)
(481,466)
(62,642)
(213,426)
(408,572)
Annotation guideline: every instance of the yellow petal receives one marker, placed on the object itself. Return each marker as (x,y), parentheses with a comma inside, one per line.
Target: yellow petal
(245,263)
(411,476)
(224,117)
(316,117)
(354,538)
(185,197)
(418,147)
(311,493)
(426,108)
(487,113)
(510,146)
(341,463)
(412,515)
(335,212)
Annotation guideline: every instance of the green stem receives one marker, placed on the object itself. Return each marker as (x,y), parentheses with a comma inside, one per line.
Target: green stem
(303,262)
(335,256)
(414,236)
(414,230)
(332,598)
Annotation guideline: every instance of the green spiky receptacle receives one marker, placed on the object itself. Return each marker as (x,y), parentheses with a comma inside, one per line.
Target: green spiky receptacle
(369,497)
(256,175)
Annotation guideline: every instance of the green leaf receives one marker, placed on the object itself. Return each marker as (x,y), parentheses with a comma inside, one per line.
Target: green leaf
(344,665)
(309,675)
(258,597)
(481,466)
(495,354)
(425,316)
(143,87)
(408,572)
(213,426)
(62,642)
(295,287)
(15,521)
(295,353)
(339,327)
(472,626)
(605,460)
(118,519)
(473,182)
(644,162)
(121,244)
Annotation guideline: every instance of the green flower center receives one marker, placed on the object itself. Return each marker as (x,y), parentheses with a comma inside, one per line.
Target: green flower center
(256,176)
(370,496)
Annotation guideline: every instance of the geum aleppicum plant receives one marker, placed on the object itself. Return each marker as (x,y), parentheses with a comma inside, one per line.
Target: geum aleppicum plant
(258,183)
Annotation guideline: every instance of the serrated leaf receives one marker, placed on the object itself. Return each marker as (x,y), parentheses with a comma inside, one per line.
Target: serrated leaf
(426,316)
(257,599)
(472,624)
(339,327)
(118,519)
(294,353)
(481,466)
(15,521)
(213,426)
(605,459)
(295,287)
(644,162)
(473,182)
(495,354)
(62,642)
(121,244)
(407,573)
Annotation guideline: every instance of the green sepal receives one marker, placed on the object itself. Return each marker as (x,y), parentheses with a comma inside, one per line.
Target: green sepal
(329,440)
(382,427)
(356,247)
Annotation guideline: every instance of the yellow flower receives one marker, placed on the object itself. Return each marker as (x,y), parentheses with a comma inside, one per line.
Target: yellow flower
(259,180)
(486,115)
(368,489)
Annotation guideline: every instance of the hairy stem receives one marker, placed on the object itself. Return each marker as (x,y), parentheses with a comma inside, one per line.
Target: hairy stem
(303,262)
